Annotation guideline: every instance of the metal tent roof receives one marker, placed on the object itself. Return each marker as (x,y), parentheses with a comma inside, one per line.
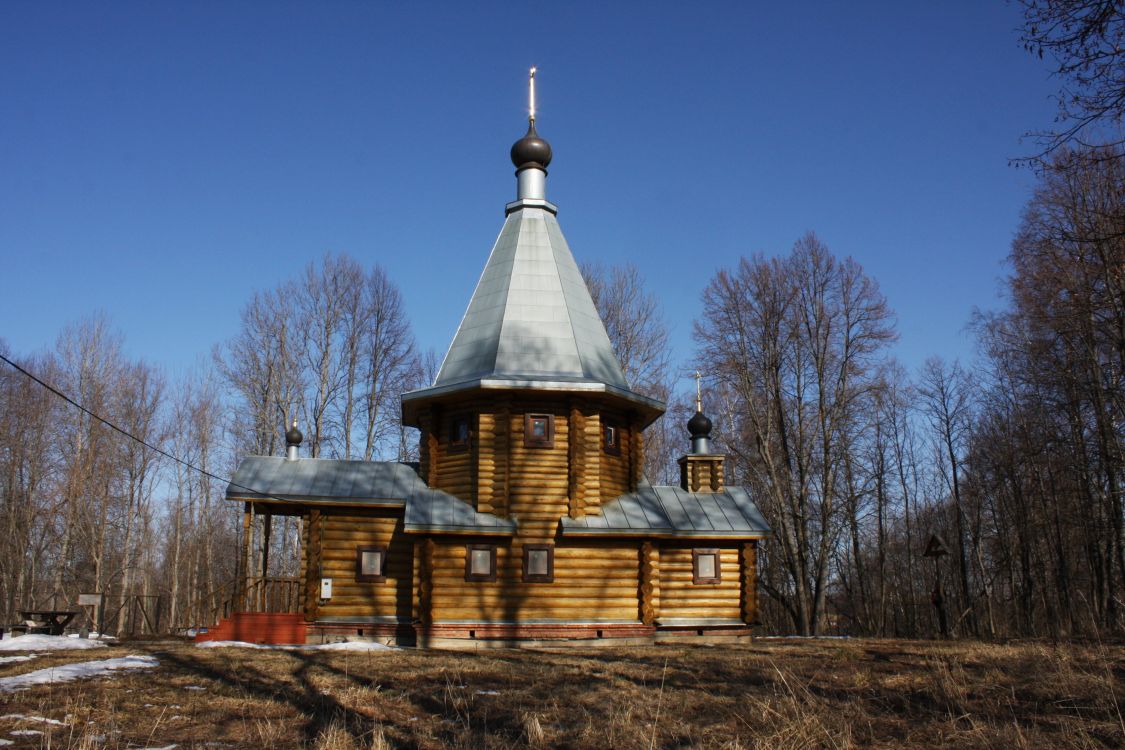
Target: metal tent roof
(531,316)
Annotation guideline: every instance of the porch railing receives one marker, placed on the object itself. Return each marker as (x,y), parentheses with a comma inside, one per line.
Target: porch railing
(258,594)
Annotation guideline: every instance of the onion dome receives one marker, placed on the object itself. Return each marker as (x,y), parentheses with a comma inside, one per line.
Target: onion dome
(699,425)
(293,436)
(531,151)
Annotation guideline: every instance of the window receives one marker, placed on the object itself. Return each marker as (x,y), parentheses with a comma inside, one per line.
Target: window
(459,434)
(369,564)
(612,439)
(538,563)
(480,562)
(539,431)
(705,566)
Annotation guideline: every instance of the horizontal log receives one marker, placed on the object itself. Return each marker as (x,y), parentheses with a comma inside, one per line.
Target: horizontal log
(678,568)
(344,551)
(330,611)
(570,591)
(526,613)
(688,585)
(341,540)
(395,563)
(679,598)
(382,526)
(725,614)
(562,568)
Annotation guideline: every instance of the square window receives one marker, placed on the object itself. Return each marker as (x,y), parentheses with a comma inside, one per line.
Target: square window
(480,562)
(459,434)
(705,566)
(369,564)
(612,439)
(538,563)
(539,431)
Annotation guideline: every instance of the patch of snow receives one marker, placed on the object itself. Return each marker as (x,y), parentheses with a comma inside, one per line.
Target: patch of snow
(14,659)
(488,692)
(6,742)
(195,687)
(22,717)
(24,732)
(342,646)
(80,670)
(166,747)
(348,646)
(803,638)
(40,642)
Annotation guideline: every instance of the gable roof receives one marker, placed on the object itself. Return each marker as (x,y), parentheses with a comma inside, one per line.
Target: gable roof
(309,480)
(651,512)
(376,484)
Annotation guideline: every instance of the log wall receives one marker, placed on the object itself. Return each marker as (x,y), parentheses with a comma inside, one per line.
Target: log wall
(680,598)
(750,583)
(497,464)
(339,536)
(616,470)
(455,467)
(591,583)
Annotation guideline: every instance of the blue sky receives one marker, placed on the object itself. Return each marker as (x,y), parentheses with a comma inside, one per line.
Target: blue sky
(160,161)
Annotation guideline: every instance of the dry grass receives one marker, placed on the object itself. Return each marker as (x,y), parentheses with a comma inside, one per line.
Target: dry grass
(768,694)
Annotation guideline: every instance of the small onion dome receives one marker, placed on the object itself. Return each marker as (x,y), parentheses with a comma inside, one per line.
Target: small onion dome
(699,425)
(293,436)
(531,150)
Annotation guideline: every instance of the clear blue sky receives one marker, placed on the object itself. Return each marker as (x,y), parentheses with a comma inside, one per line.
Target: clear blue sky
(160,161)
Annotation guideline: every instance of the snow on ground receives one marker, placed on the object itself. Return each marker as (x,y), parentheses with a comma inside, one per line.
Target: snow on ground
(94,635)
(80,670)
(6,742)
(349,646)
(42,719)
(344,646)
(39,642)
(14,659)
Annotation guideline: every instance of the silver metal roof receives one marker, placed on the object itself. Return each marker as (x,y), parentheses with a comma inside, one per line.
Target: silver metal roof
(673,512)
(437,511)
(531,317)
(311,481)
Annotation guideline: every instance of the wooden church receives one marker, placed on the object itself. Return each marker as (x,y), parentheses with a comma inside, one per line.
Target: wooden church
(528,517)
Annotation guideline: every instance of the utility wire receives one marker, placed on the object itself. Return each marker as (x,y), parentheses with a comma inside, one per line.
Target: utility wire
(130,435)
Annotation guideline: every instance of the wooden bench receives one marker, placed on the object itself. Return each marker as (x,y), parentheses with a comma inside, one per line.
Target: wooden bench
(46,621)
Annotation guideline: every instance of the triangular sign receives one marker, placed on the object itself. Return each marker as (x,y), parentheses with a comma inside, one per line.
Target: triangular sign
(935,547)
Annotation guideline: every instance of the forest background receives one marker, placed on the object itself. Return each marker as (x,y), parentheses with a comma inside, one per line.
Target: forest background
(1015,459)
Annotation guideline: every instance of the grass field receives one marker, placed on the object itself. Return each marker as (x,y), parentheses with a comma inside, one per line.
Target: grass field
(767,694)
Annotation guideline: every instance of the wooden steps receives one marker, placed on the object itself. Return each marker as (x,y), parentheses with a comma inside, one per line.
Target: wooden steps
(258,627)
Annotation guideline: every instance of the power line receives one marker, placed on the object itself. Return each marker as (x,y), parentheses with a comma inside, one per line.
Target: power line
(128,434)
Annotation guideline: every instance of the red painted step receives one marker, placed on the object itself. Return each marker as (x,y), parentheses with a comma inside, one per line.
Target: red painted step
(258,627)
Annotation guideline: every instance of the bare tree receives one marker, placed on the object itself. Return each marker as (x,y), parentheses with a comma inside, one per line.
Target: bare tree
(795,343)
(639,335)
(1085,40)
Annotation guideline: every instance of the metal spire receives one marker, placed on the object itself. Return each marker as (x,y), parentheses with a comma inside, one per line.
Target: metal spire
(698,392)
(531,96)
